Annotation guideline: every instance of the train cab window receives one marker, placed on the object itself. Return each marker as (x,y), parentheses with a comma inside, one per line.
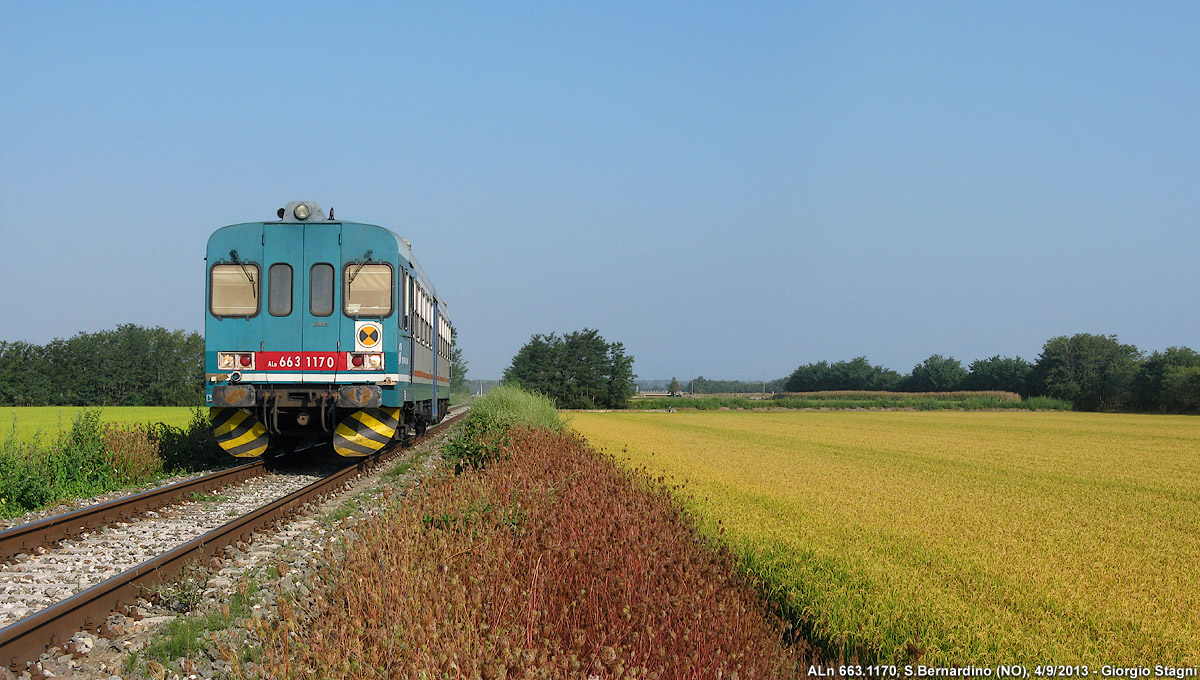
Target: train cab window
(321,290)
(279,290)
(234,289)
(368,289)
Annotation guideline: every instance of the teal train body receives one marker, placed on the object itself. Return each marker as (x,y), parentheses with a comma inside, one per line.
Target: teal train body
(319,329)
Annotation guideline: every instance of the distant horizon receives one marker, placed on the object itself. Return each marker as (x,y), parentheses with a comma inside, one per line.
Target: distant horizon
(740,377)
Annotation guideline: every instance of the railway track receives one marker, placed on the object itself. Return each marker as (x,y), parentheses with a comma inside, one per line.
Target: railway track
(46,598)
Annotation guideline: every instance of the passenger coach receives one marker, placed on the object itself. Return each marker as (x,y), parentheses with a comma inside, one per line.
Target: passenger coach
(318,329)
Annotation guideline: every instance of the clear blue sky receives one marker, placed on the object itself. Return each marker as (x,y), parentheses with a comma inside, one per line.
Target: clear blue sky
(727,188)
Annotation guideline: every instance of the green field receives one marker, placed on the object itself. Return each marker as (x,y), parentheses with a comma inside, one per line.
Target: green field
(45,422)
(977,537)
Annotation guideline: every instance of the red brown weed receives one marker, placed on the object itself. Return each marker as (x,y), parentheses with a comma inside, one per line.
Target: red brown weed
(552,563)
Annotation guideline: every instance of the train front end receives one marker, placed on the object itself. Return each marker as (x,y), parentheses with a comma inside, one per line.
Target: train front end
(302,341)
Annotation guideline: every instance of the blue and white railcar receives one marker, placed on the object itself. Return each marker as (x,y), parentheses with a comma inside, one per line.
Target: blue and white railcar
(320,329)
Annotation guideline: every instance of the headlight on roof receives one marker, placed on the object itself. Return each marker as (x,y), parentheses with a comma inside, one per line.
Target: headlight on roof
(302,212)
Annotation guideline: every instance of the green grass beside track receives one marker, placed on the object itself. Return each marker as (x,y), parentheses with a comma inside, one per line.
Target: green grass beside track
(52,454)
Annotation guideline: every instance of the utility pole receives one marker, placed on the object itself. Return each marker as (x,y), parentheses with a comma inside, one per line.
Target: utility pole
(764,383)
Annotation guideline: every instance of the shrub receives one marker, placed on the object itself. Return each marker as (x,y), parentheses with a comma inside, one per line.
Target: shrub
(87,459)
(484,434)
(92,457)
(191,448)
(133,451)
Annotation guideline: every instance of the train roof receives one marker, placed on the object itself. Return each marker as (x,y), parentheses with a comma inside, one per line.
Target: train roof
(288,215)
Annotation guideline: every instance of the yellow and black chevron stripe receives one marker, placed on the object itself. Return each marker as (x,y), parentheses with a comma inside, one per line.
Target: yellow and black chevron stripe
(365,432)
(238,432)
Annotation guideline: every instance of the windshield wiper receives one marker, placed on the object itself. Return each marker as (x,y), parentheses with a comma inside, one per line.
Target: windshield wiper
(250,277)
(365,259)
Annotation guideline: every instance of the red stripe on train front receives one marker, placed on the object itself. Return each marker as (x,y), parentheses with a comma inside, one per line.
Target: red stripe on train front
(300,361)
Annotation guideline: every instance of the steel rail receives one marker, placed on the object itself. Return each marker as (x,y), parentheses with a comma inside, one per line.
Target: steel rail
(26,537)
(26,639)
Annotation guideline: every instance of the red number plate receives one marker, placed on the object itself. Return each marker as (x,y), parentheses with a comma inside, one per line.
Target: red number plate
(300,361)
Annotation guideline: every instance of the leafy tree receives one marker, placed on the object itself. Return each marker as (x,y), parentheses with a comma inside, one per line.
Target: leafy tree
(128,366)
(1008,374)
(1095,372)
(458,367)
(674,387)
(576,370)
(812,377)
(23,379)
(619,377)
(534,366)
(855,374)
(582,369)
(1181,389)
(859,374)
(1149,390)
(936,374)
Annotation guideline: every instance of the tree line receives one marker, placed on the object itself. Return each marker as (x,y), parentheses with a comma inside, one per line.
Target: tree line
(128,366)
(1094,372)
(702,385)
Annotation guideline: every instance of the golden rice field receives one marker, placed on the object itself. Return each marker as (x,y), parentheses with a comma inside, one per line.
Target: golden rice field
(983,537)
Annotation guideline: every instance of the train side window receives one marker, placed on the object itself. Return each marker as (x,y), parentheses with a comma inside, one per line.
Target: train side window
(279,290)
(368,289)
(404,302)
(234,289)
(412,285)
(321,290)
(421,315)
